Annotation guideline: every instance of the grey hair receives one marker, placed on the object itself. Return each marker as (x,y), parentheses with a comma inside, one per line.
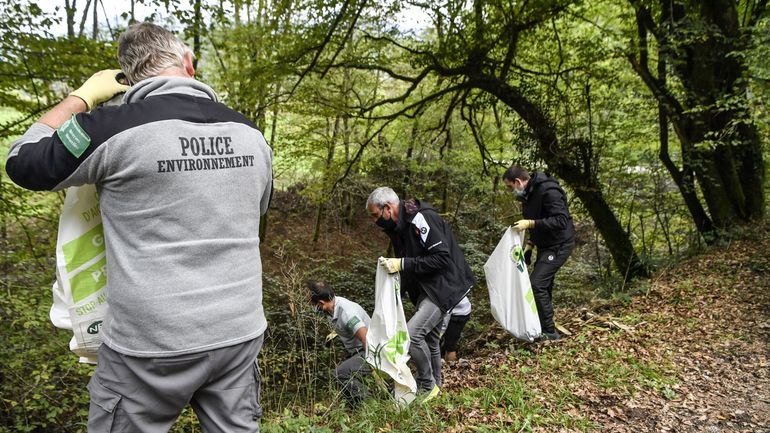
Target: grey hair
(382,196)
(145,50)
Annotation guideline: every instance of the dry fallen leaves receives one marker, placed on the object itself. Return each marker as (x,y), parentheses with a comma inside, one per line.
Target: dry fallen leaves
(697,353)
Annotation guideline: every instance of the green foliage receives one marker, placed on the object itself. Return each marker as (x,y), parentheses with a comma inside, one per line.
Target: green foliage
(43,386)
(288,422)
(350,100)
(510,406)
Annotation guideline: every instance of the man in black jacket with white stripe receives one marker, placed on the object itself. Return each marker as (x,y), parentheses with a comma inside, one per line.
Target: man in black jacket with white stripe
(546,216)
(434,274)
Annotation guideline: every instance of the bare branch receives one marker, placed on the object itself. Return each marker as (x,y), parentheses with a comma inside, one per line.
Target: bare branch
(546,74)
(346,38)
(419,103)
(358,154)
(83,19)
(417,107)
(415,82)
(510,53)
(561,54)
(476,136)
(443,125)
(373,67)
(674,108)
(641,66)
(401,46)
(7,126)
(320,47)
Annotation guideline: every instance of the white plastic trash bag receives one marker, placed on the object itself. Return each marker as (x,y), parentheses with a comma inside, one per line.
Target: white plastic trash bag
(388,337)
(510,292)
(79,298)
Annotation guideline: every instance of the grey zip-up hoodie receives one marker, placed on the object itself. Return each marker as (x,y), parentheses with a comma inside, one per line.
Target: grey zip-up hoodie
(182,182)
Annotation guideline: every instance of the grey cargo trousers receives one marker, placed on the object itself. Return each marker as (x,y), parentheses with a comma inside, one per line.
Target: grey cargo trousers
(146,395)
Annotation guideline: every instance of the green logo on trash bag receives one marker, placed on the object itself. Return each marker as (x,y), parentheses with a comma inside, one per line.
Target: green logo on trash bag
(530,297)
(94,327)
(517,256)
(395,346)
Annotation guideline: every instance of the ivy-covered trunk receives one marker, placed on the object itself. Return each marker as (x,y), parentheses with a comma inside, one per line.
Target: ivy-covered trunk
(729,167)
(703,42)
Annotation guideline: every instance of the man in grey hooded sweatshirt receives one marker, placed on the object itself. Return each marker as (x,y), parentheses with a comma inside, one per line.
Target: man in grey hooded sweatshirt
(182,182)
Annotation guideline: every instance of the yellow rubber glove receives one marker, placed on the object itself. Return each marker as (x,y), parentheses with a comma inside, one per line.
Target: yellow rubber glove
(524,224)
(329,338)
(102,86)
(393,265)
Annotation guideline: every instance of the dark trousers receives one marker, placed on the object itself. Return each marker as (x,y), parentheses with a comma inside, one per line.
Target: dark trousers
(348,373)
(549,261)
(452,333)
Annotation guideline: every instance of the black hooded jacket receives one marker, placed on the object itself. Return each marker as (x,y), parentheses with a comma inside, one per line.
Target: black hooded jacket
(546,203)
(433,263)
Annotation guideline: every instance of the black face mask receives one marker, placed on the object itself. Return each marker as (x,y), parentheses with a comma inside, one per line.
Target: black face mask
(386,225)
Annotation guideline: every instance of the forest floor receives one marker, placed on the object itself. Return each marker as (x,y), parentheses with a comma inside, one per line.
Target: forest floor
(690,354)
(685,351)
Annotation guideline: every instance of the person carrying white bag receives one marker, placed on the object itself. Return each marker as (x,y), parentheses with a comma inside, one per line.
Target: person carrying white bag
(433,273)
(182,181)
(551,231)
(510,293)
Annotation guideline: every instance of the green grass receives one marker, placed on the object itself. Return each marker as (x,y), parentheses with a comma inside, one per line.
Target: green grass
(510,405)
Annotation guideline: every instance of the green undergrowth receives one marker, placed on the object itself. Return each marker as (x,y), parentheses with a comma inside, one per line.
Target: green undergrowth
(510,405)
(506,386)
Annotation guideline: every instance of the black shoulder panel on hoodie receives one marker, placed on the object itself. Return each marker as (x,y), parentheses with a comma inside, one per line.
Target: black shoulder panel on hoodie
(46,163)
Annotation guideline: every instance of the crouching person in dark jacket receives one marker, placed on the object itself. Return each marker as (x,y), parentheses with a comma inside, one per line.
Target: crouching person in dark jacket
(546,216)
(434,274)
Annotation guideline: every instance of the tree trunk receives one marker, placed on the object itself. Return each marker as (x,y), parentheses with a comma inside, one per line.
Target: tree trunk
(69,10)
(683,178)
(95,28)
(719,146)
(83,18)
(408,160)
(327,167)
(197,32)
(237,4)
(445,170)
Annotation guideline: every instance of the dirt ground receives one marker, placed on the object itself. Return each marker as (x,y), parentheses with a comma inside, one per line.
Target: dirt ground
(696,344)
(713,323)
